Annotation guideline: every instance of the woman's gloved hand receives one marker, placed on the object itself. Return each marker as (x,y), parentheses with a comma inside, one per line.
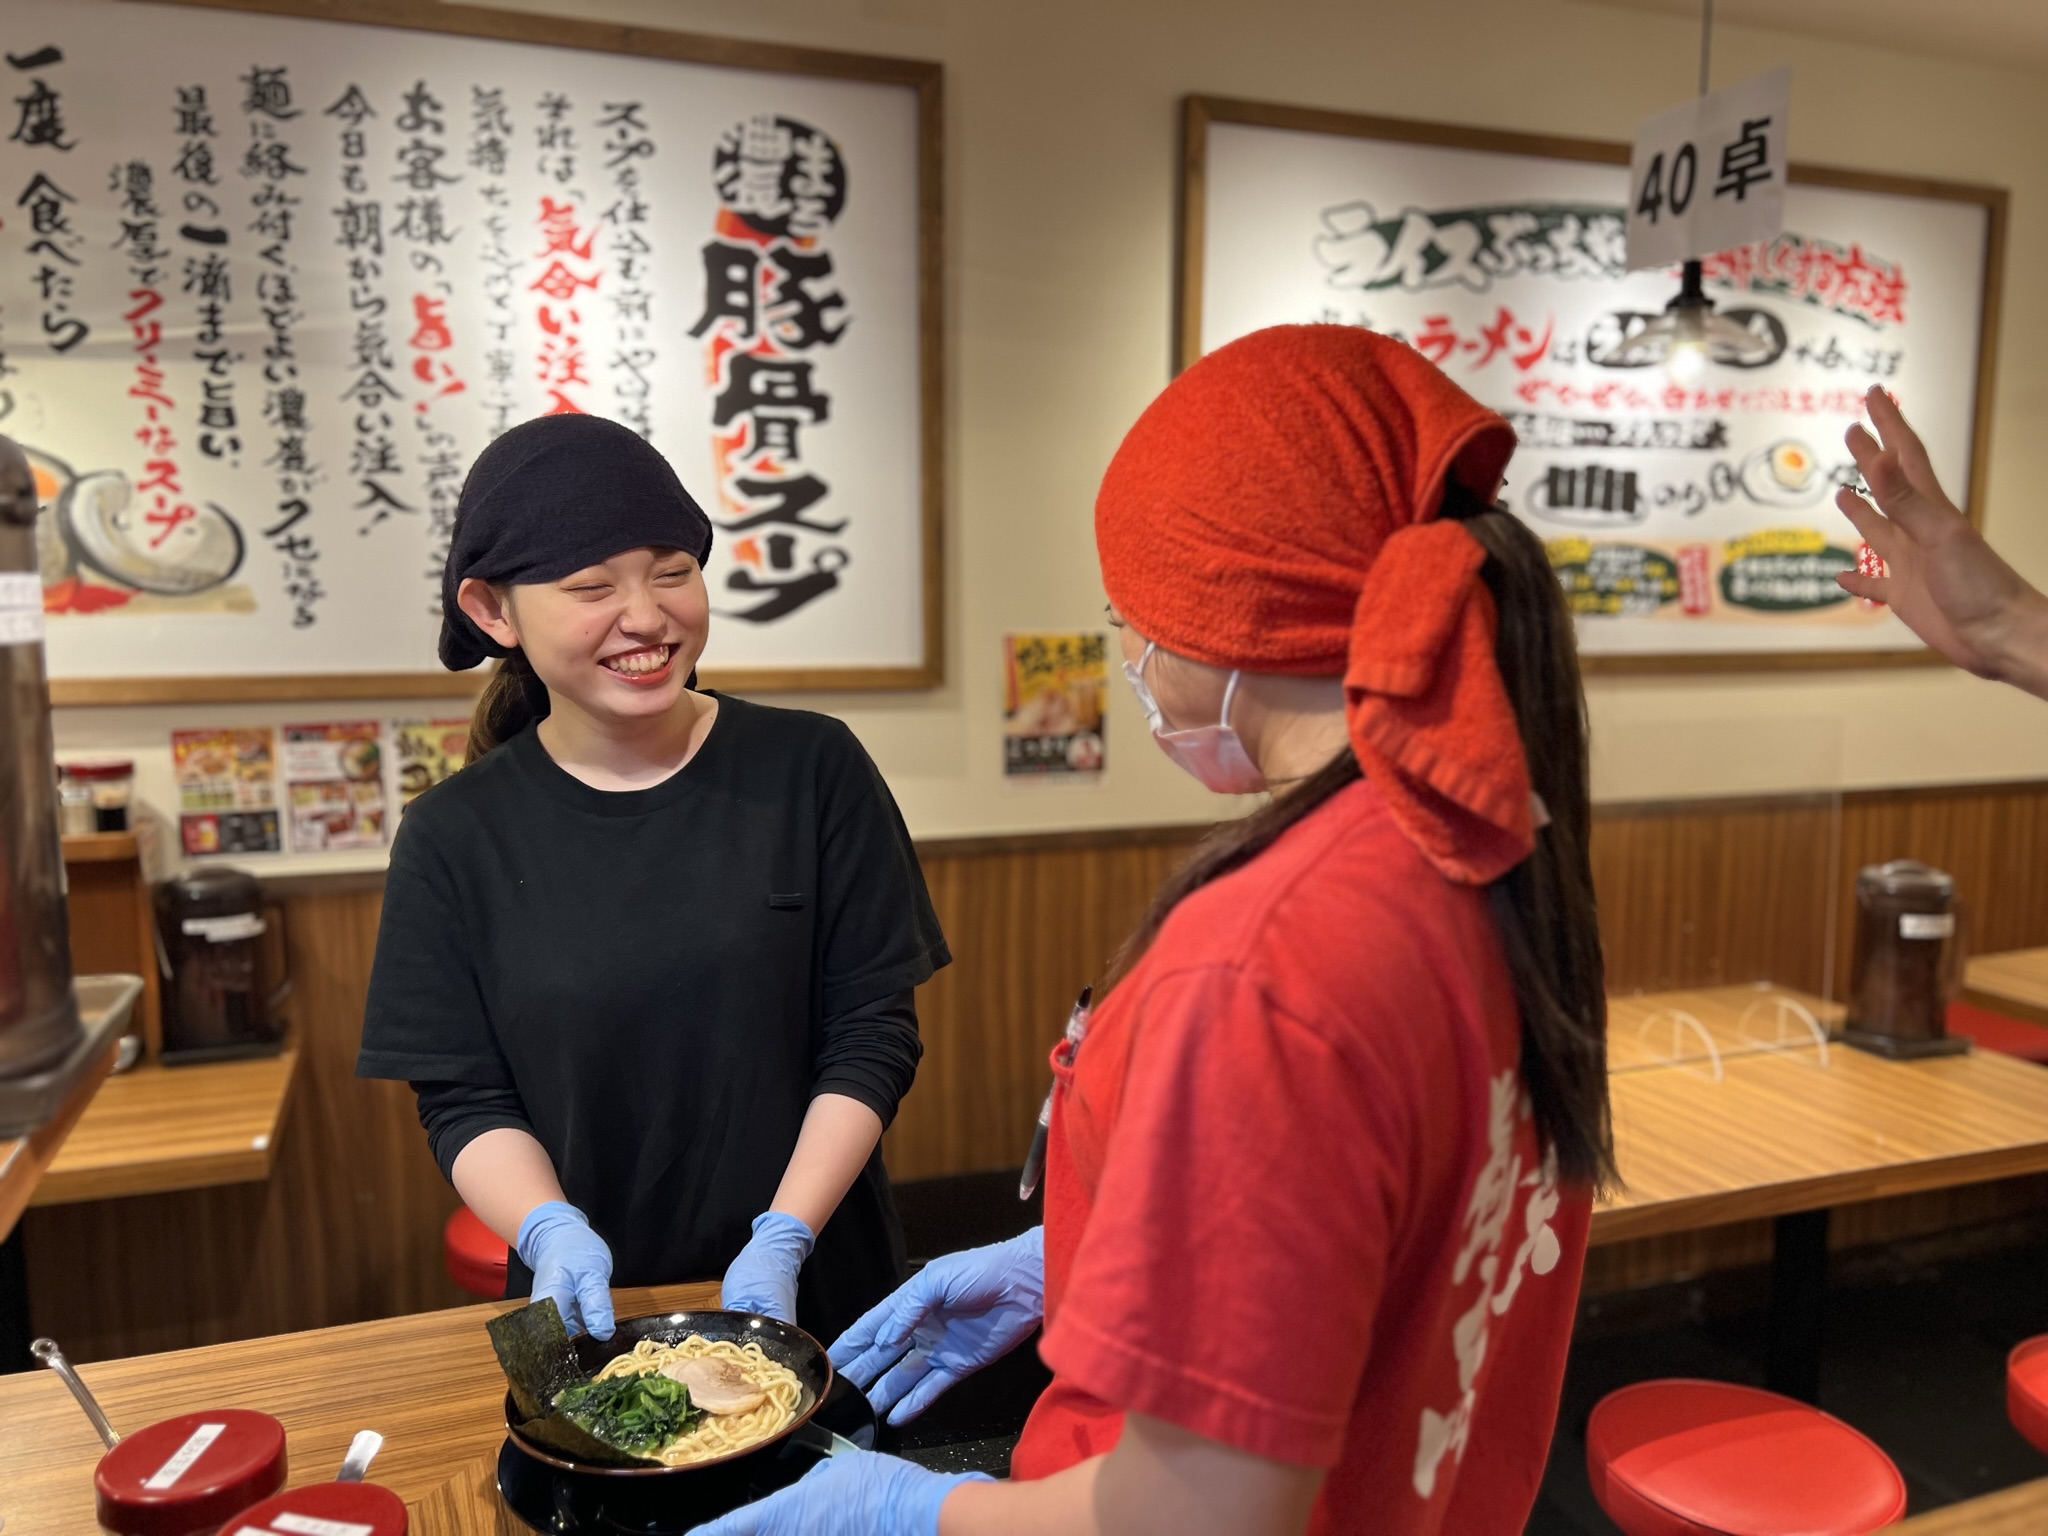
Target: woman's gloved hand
(762,1277)
(956,1315)
(571,1266)
(860,1493)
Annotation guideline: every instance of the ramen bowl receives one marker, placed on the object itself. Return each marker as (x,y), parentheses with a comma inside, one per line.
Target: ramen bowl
(784,1343)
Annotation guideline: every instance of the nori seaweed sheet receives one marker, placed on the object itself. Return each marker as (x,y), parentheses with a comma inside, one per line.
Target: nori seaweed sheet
(534,1350)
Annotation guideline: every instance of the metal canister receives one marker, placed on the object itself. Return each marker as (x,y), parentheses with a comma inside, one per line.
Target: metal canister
(38,1010)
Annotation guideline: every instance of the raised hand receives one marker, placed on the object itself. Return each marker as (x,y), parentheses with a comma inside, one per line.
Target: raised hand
(1942,579)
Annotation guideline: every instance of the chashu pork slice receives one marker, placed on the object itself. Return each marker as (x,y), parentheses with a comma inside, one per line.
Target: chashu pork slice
(715,1385)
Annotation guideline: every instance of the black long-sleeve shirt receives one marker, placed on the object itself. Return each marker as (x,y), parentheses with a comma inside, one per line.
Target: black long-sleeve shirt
(655,983)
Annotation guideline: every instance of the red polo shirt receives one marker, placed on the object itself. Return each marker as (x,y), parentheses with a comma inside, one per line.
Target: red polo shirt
(1294,1198)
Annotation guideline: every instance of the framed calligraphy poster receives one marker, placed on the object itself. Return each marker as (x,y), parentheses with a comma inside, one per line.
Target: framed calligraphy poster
(273,272)
(1689,514)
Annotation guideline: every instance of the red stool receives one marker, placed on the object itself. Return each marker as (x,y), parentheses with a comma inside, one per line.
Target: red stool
(1709,1458)
(2026,1391)
(474,1254)
(1996,1032)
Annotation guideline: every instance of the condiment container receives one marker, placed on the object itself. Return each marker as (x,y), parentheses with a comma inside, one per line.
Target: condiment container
(112,784)
(325,1509)
(1907,963)
(189,1475)
(75,814)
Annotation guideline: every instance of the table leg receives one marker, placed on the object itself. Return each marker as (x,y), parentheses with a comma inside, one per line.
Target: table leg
(1799,1302)
(15,1332)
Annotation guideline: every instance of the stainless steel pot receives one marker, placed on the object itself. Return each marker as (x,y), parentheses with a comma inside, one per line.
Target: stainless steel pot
(38,1009)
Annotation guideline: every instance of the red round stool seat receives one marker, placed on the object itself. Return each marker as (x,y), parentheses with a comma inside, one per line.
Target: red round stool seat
(1710,1458)
(2026,1391)
(474,1254)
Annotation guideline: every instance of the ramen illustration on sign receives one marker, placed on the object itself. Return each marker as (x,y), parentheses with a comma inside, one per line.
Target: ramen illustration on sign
(96,550)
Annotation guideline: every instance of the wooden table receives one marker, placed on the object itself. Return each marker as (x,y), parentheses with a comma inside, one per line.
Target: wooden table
(2014,984)
(428,1383)
(1781,1135)
(156,1128)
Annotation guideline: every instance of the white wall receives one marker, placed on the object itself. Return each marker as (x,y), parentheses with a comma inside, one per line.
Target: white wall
(1061,154)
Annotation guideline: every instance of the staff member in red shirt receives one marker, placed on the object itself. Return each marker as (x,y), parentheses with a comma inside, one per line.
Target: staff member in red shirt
(1320,1172)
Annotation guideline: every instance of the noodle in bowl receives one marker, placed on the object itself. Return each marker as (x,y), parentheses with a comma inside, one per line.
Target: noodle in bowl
(787,1357)
(715,1436)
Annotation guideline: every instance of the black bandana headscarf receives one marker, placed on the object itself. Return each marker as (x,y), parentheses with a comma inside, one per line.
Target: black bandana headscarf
(549,497)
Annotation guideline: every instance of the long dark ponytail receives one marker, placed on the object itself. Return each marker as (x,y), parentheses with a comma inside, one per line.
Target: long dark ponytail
(512,699)
(1544,905)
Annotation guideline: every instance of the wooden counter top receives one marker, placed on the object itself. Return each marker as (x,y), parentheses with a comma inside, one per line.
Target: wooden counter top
(428,1383)
(158,1128)
(25,1160)
(2014,983)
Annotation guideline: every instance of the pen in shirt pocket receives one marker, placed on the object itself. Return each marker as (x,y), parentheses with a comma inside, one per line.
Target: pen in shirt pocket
(1034,1160)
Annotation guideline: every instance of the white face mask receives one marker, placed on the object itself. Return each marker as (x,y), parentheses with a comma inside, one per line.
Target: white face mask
(1213,754)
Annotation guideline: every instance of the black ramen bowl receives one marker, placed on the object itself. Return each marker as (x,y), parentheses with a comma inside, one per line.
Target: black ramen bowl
(784,1343)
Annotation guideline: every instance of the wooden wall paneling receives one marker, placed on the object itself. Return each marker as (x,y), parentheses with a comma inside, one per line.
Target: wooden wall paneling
(347,1227)
(1029,926)
(1713,895)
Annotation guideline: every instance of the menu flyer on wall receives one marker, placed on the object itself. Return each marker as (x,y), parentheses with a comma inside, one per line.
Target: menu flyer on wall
(227,790)
(334,786)
(1686,510)
(427,751)
(1053,691)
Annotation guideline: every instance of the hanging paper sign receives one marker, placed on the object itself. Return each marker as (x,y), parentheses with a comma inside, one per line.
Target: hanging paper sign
(1709,175)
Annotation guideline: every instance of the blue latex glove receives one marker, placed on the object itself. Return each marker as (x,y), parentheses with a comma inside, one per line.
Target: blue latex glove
(571,1265)
(762,1278)
(956,1315)
(860,1493)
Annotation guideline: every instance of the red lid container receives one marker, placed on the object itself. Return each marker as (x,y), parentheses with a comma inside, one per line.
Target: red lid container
(324,1509)
(189,1474)
(100,768)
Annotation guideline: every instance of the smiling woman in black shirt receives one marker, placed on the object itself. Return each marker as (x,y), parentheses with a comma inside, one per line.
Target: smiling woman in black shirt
(648,959)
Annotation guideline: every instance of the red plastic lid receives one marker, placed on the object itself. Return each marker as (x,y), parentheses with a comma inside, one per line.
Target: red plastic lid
(190,1473)
(324,1509)
(104,768)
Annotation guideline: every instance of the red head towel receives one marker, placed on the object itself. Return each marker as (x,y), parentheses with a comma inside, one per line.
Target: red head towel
(1274,510)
